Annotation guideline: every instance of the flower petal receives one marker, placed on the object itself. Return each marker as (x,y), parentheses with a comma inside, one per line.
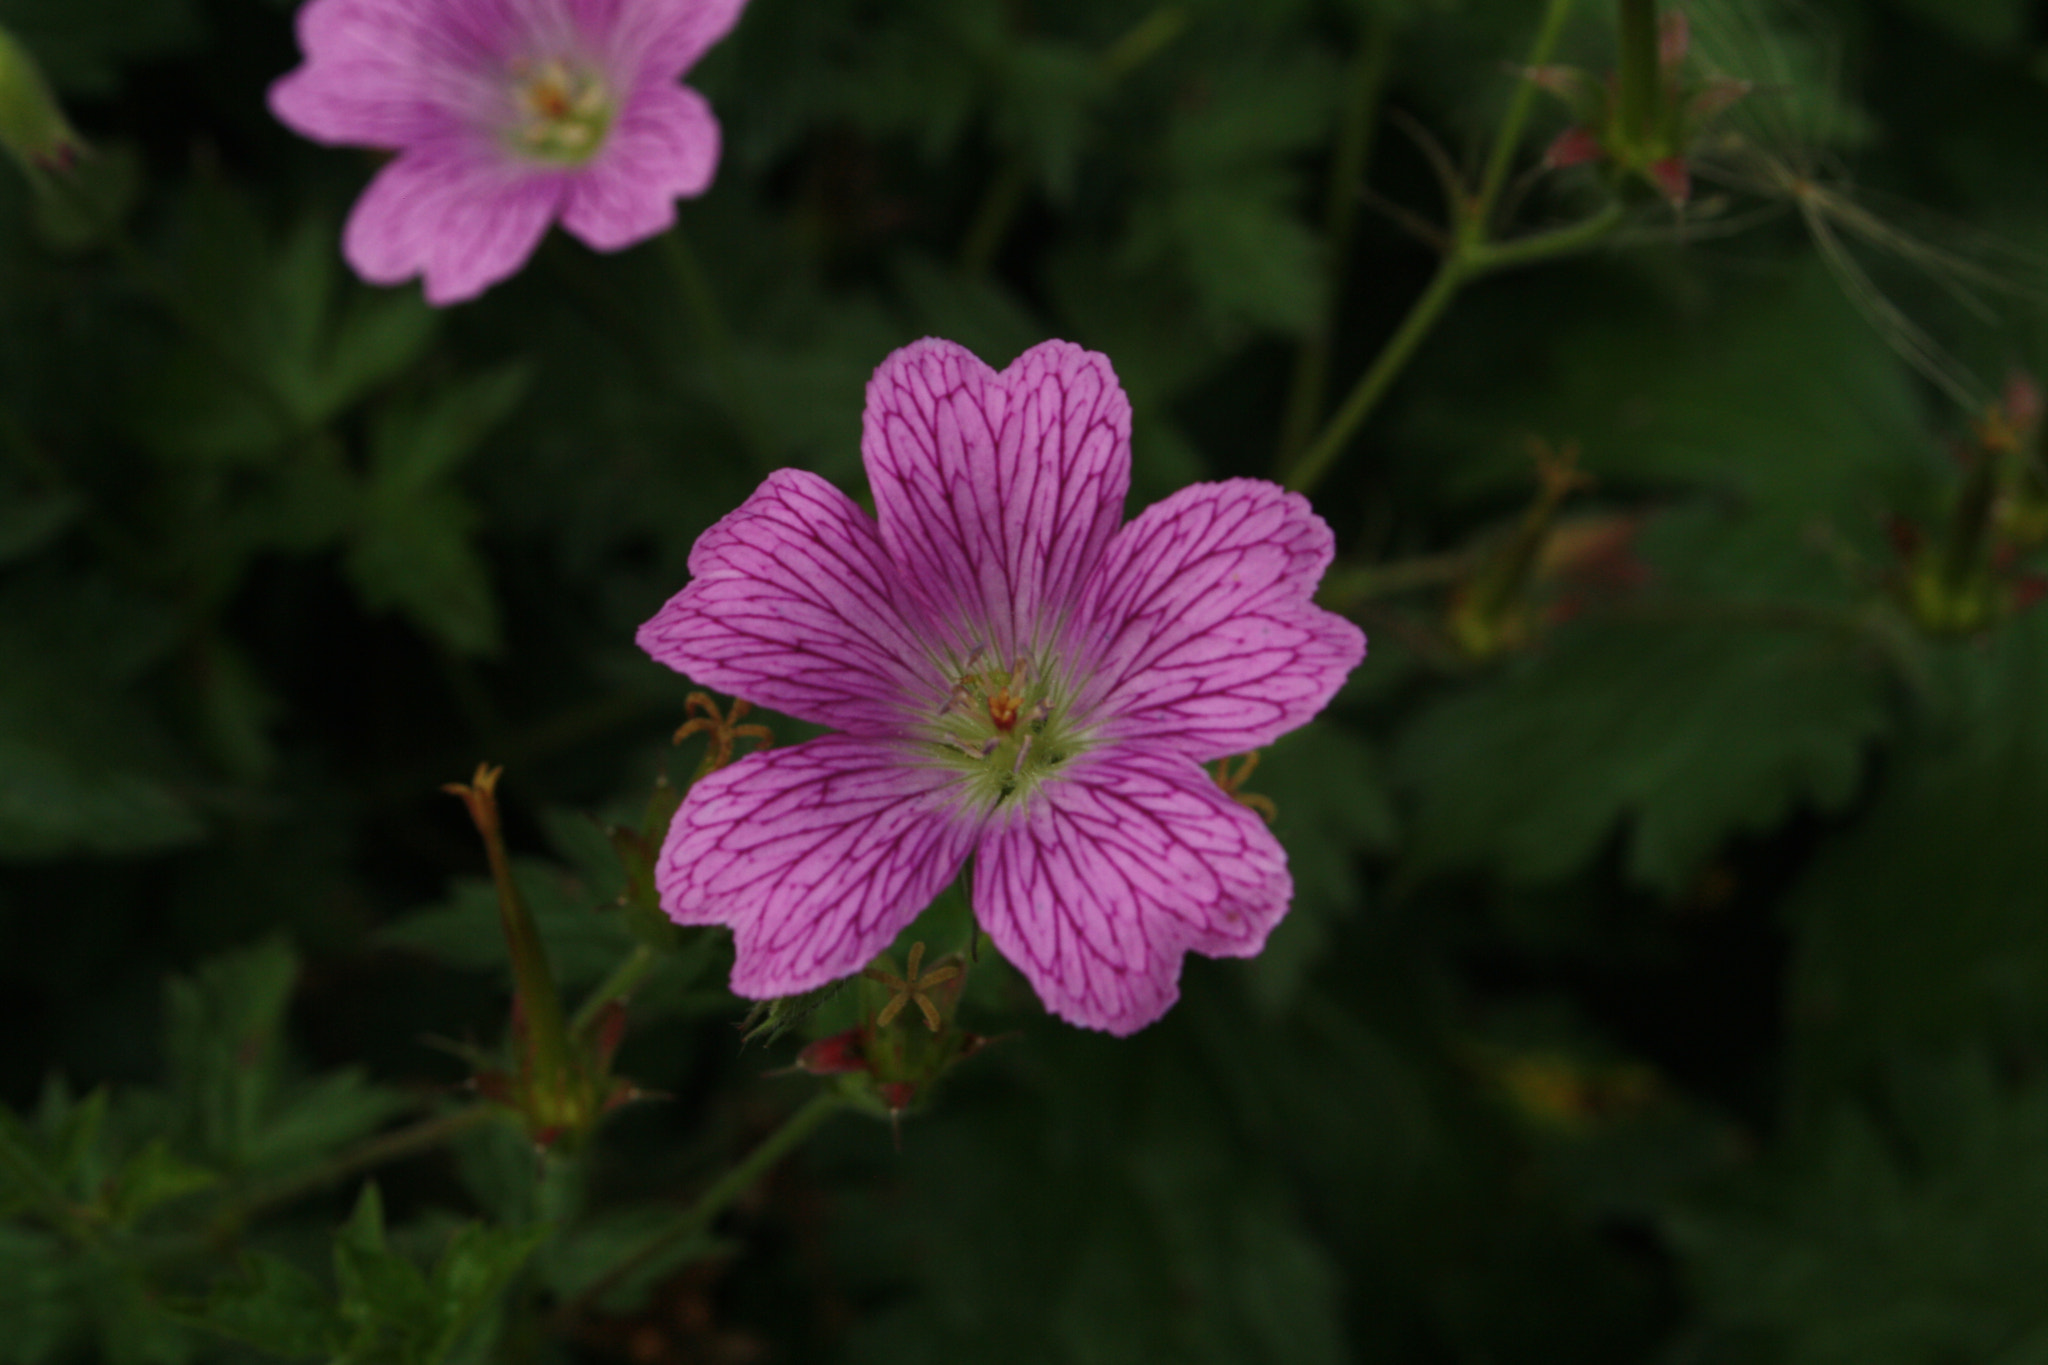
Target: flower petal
(453,213)
(664,146)
(997,492)
(1097,885)
(661,37)
(794,604)
(816,856)
(388,73)
(1198,632)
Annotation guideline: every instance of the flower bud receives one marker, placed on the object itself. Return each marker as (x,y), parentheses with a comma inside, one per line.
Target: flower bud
(32,126)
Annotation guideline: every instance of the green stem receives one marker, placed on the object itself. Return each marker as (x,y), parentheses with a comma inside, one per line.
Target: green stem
(697,1219)
(365,1155)
(1487,257)
(1315,462)
(1471,255)
(550,1066)
(1006,193)
(620,985)
(688,273)
(1640,75)
(991,223)
(1362,90)
(715,335)
(1505,143)
(1345,586)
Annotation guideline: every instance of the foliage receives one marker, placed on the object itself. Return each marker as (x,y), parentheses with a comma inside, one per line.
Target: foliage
(1667,978)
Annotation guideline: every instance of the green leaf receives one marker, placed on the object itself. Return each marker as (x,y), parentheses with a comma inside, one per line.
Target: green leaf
(1780,395)
(415,446)
(1333,806)
(1896,1237)
(83,44)
(84,765)
(1921,926)
(1993,24)
(394,1312)
(152,1176)
(276,344)
(583,941)
(96,197)
(39,1301)
(415,556)
(238,1103)
(273,1306)
(1612,726)
(28,522)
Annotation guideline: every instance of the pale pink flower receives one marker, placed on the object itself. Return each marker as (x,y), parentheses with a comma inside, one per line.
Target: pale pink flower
(506,116)
(1014,674)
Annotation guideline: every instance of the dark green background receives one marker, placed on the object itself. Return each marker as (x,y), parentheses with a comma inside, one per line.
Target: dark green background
(1671,989)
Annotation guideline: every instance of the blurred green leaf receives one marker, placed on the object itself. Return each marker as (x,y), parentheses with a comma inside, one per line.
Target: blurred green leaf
(84,764)
(38,1299)
(275,1307)
(395,1312)
(83,44)
(1915,1233)
(584,940)
(1333,807)
(413,550)
(275,343)
(1921,927)
(29,522)
(92,200)
(231,1092)
(1612,727)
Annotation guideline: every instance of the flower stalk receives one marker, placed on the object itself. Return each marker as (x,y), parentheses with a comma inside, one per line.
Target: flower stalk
(1472,252)
(1640,77)
(697,1219)
(560,1090)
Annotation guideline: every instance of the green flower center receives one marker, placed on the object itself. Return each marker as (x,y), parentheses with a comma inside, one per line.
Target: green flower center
(563,112)
(1008,728)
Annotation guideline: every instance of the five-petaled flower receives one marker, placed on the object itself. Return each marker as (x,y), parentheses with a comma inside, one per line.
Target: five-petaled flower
(506,115)
(1014,675)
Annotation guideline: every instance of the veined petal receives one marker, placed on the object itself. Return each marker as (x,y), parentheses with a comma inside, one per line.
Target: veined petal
(793,603)
(391,73)
(997,493)
(1197,633)
(453,213)
(1100,883)
(816,856)
(663,146)
(660,38)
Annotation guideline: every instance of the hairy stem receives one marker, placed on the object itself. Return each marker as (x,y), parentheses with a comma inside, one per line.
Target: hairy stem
(698,1218)
(1363,85)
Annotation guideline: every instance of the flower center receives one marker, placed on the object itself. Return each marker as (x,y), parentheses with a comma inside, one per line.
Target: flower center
(563,112)
(1006,726)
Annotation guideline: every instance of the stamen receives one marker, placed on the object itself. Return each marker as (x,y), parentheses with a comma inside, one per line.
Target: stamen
(1002,710)
(1022,749)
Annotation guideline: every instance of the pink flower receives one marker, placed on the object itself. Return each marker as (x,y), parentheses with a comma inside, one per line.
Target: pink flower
(1014,674)
(506,115)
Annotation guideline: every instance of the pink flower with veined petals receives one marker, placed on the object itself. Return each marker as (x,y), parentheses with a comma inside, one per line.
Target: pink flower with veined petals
(506,115)
(1014,674)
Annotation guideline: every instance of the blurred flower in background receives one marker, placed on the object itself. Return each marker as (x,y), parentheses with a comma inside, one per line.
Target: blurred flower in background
(506,116)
